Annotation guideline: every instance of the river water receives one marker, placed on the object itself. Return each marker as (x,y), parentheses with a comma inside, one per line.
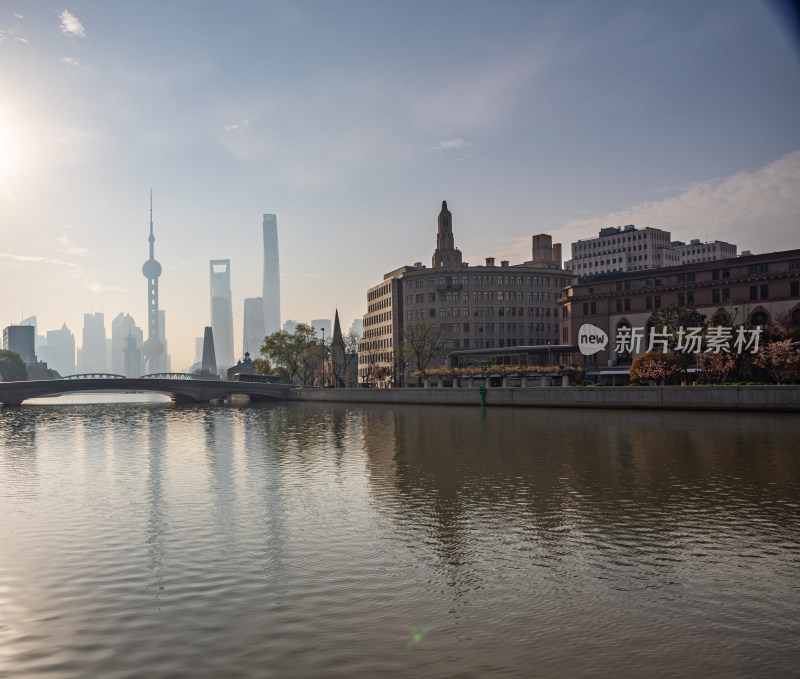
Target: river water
(142,539)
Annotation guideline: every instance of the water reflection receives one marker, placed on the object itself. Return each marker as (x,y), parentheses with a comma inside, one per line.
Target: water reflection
(342,540)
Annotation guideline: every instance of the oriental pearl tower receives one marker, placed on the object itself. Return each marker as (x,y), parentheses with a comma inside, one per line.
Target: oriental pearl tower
(153,348)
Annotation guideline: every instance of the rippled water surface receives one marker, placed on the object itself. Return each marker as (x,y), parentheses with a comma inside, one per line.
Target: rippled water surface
(304,540)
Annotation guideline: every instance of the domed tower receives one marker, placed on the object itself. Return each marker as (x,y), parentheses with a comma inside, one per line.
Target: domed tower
(151,269)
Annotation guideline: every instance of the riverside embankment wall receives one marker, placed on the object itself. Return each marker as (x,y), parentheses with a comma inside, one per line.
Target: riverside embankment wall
(743,398)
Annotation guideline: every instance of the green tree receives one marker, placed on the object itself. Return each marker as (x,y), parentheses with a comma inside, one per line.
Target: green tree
(12,367)
(296,352)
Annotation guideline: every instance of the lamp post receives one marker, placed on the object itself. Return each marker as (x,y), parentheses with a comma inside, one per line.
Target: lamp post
(323,356)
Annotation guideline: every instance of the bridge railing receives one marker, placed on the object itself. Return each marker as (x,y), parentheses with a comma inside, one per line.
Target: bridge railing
(94,376)
(171,376)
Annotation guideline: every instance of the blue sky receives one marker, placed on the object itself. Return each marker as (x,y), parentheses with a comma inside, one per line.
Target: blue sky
(352,121)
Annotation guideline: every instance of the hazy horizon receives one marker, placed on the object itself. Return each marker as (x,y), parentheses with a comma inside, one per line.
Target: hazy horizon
(351,122)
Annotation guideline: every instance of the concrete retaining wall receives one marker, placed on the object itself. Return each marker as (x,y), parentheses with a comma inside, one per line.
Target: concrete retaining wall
(750,398)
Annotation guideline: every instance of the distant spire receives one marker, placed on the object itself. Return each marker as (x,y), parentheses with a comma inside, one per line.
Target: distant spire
(337,331)
(151,210)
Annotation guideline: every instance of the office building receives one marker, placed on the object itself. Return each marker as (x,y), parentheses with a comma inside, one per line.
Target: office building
(166,359)
(271,292)
(132,356)
(322,326)
(474,307)
(22,340)
(696,251)
(222,311)
(290,326)
(122,326)
(626,248)
(253,331)
(61,351)
(94,344)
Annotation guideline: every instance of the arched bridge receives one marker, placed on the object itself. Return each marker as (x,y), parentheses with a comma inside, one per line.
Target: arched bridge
(178,388)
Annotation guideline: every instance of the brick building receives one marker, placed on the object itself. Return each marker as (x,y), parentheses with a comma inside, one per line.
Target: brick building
(752,289)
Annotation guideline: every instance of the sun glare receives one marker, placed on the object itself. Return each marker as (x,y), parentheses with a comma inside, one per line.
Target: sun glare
(8,150)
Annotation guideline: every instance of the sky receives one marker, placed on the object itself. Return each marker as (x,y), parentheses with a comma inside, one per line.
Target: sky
(353,121)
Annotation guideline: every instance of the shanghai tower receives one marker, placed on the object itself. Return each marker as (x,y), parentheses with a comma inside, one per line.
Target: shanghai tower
(272,276)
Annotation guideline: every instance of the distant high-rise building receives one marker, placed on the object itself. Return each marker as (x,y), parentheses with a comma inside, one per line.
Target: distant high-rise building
(94,343)
(122,326)
(254,331)
(290,326)
(166,359)
(358,326)
(271,292)
(132,357)
(21,338)
(153,348)
(222,311)
(61,351)
(209,355)
(322,326)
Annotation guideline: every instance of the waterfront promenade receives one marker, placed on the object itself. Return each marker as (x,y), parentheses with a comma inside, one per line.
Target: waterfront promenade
(766,398)
(755,398)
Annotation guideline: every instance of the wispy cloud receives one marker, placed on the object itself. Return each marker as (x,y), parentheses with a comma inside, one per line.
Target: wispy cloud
(12,34)
(94,286)
(69,248)
(34,259)
(71,25)
(235,126)
(736,209)
(449,145)
(69,61)
(19,16)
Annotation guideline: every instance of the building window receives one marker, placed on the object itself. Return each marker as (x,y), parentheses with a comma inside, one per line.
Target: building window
(627,305)
(765,291)
(753,292)
(658,301)
(715,296)
(619,305)
(648,302)
(794,288)
(681,300)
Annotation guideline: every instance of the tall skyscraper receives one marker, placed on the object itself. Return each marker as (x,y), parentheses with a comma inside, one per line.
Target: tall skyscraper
(153,348)
(166,359)
(271,292)
(254,331)
(122,326)
(61,351)
(94,343)
(132,357)
(222,311)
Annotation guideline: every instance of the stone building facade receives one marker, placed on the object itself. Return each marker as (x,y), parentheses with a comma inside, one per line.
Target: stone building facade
(477,307)
(751,289)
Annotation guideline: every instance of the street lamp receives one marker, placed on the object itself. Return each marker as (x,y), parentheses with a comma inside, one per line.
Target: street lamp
(323,356)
